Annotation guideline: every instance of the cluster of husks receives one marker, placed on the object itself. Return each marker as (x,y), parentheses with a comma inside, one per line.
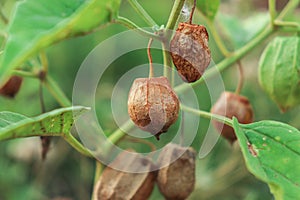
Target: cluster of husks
(175,181)
(232,105)
(11,87)
(190,52)
(152,104)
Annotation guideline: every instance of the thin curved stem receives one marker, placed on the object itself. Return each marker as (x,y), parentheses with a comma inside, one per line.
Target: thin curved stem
(291,5)
(56,92)
(141,11)
(117,135)
(192,12)
(280,23)
(24,74)
(207,115)
(130,25)
(241,78)
(167,60)
(3,17)
(151,73)
(217,38)
(76,145)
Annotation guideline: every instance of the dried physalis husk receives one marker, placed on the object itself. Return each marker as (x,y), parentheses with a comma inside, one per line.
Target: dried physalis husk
(176,178)
(152,104)
(232,105)
(190,52)
(11,87)
(122,185)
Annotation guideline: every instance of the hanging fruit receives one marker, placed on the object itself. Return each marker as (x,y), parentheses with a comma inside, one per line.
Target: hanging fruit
(116,184)
(11,87)
(152,105)
(232,105)
(176,180)
(190,52)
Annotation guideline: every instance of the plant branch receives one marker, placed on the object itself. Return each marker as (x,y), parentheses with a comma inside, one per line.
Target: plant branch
(117,135)
(130,25)
(287,23)
(167,60)
(207,115)
(3,17)
(272,10)
(56,92)
(24,74)
(291,5)
(174,15)
(241,78)
(76,145)
(217,38)
(141,11)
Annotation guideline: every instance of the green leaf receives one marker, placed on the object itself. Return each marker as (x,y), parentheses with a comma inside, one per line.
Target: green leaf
(55,123)
(272,153)
(36,24)
(279,71)
(238,31)
(209,8)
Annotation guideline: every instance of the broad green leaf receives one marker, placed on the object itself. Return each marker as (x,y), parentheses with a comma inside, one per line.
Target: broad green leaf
(241,31)
(209,7)
(37,24)
(55,123)
(279,71)
(272,153)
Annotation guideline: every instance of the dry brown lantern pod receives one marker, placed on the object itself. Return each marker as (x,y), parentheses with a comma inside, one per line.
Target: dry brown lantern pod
(153,105)
(176,180)
(232,105)
(11,87)
(122,185)
(190,52)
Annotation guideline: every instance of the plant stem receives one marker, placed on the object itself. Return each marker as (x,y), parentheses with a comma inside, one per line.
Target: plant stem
(56,92)
(230,60)
(272,10)
(217,38)
(241,78)
(24,74)
(192,12)
(44,61)
(116,136)
(291,5)
(141,11)
(207,115)
(76,145)
(174,15)
(287,23)
(151,73)
(3,17)
(130,25)
(167,60)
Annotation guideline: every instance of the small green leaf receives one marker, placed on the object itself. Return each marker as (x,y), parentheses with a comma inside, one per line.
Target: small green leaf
(55,123)
(37,24)
(279,73)
(272,153)
(209,8)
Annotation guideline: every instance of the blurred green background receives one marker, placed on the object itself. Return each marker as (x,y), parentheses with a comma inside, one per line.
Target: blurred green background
(66,173)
